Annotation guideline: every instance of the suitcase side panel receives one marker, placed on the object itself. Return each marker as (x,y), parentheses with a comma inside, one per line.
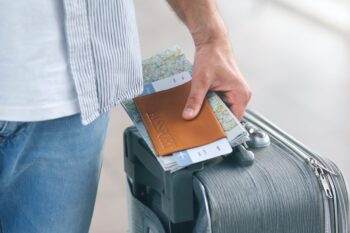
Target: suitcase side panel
(276,194)
(330,177)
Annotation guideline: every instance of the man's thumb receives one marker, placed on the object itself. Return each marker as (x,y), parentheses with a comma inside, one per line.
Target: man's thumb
(194,101)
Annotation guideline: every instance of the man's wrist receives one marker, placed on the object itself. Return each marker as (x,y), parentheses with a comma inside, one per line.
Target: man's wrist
(202,19)
(212,30)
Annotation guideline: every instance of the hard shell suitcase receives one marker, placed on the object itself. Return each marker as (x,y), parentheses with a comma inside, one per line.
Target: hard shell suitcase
(288,189)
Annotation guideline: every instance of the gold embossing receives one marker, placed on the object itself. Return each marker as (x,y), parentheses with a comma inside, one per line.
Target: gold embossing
(162,131)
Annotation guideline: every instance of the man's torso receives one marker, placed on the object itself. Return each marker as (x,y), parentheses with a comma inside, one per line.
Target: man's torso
(35,83)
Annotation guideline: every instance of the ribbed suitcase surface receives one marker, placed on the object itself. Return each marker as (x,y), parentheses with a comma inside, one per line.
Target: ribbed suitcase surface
(288,189)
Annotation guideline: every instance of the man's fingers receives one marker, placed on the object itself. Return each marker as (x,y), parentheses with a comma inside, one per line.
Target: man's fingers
(238,111)
(237,103)
(195,99)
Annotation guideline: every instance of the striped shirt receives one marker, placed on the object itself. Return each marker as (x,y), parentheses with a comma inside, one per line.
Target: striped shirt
(104,53)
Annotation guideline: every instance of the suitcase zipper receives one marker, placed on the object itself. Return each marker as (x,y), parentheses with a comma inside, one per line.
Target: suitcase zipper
(336,227)
(315,165)
(321,172)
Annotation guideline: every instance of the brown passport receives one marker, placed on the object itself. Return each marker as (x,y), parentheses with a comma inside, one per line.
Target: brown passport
(161,113)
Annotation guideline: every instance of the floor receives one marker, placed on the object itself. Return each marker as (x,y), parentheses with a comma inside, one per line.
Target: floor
(298,70)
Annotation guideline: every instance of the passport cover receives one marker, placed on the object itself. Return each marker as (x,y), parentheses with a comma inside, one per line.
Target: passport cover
(161,113)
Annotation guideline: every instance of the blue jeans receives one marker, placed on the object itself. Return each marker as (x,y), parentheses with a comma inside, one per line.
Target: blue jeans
(49,173)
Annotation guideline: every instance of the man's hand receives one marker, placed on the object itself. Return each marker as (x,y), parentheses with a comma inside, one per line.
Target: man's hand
(214,66)
(215,69)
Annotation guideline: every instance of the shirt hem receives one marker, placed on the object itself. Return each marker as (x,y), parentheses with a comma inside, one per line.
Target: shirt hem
(40,113)
(128,95)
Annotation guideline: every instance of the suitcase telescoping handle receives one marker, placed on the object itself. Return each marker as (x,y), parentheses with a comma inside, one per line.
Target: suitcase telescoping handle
(145,173)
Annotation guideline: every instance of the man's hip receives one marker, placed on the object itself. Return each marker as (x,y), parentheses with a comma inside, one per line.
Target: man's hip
(49,173)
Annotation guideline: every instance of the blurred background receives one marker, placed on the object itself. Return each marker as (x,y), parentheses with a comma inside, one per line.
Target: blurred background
(294,54)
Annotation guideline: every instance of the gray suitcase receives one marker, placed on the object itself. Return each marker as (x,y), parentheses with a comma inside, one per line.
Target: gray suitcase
(288,189)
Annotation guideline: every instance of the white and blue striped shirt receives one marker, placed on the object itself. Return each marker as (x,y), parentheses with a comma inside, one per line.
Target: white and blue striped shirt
(104,53)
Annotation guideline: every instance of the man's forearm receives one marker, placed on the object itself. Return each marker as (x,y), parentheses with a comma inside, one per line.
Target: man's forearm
(201,18)
(214,67)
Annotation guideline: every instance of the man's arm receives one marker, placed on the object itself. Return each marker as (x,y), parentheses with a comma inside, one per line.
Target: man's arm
(214,66)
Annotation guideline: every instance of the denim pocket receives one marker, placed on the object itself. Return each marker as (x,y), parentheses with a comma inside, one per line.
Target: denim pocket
(3,125)
(10,129)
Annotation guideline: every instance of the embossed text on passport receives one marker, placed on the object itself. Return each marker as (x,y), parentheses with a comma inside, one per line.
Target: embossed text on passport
(162,130)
